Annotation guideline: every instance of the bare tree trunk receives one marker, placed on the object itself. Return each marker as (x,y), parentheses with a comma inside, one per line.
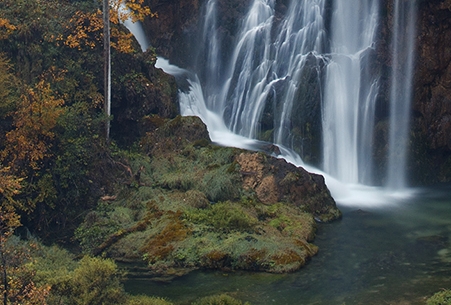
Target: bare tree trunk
(107,66)
(4,274)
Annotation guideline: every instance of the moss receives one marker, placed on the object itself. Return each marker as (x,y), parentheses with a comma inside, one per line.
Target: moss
(216,259)
(287,257)
(201,143)
(161,245)
(254,259)
(219,185)
(290,221)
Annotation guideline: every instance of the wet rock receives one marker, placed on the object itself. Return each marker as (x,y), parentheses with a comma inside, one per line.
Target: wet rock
(275,180)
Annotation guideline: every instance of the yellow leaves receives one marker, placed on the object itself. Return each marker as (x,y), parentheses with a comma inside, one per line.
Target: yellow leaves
(30,140)
(84,30)
(122,41)
(6,28)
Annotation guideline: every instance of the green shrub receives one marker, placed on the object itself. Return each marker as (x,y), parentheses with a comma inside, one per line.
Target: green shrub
(440,298)
(53,265)
(95,282)
(222,299)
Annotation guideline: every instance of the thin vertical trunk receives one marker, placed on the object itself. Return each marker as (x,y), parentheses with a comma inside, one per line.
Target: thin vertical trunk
(107,66)
(4,274)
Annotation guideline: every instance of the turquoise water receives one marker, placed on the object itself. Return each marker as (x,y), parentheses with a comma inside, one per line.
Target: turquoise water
(399,254)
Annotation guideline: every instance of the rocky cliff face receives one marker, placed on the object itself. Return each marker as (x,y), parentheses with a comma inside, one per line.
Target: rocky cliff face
(175,32)
(174,28)
(432,103)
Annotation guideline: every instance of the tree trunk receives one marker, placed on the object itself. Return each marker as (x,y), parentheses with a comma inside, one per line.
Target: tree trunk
(4,274)
(107,66)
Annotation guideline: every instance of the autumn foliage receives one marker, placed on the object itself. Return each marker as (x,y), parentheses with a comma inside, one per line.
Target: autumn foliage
(6,28)
(85,28)
(34,121)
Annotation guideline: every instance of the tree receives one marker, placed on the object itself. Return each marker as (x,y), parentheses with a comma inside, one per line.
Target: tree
(9,220)
(16,283)
(29,141)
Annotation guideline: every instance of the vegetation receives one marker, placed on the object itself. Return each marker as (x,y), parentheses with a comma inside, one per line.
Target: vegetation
(440,298)
(159,192)
(53,159)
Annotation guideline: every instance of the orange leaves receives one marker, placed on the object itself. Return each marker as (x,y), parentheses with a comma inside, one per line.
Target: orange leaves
(24,291)
(6,28)
(34,121)
(122,41)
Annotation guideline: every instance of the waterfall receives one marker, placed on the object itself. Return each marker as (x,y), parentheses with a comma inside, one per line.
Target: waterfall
(403,45)
(319,53)
(135,27)
(350,92)
(260,66)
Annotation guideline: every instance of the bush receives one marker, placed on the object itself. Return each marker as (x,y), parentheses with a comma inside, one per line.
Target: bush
(95,281)
(440,298)
(222,299)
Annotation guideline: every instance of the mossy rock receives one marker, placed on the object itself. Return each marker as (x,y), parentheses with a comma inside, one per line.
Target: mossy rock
(200,206)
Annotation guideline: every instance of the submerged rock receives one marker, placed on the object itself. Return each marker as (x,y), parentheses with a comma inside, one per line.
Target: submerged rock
(197,205)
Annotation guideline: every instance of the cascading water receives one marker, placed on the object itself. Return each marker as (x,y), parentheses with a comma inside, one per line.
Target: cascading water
(350,93)
(403,42)
(267,67)
(260,63)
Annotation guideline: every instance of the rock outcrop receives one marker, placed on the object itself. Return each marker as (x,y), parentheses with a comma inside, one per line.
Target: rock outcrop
(275,180)
(141,91)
